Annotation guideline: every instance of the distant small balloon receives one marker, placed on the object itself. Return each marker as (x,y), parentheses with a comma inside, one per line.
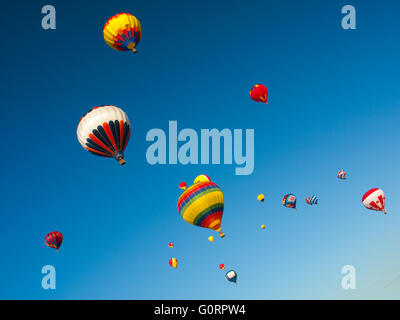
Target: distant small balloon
(201,178)
(222,235)
(54,240)
(211,238)
(263,226)
(183,185)
(222,266)
(260,197)
(231,276)
(171,245)
(374,199)
(259,93)
(341,175)
(173,262)
(289,201)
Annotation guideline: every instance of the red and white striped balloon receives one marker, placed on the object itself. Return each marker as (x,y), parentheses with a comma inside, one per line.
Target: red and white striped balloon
(374,199)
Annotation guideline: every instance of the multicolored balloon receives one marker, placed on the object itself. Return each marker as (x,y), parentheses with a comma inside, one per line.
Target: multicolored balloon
(259,93)
(222,266)
(260,197)
(202,178)
(105,131)
(341,175)
(171,245)
(231,276)
(202,204)
(173,262)
(289,201)
(122,32)
(183,185)
(374,199)
(312,200)
(54,240)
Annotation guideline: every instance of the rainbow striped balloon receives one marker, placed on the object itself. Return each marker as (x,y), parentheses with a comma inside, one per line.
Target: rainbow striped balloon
(202,204)
(341,175)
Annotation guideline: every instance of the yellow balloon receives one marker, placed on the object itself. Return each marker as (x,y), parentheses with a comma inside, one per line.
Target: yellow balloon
(211,238)
(201,178)
(263,226)
(260,197)
(122,32)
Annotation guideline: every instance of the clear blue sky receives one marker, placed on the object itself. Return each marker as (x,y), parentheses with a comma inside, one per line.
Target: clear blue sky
(334,104)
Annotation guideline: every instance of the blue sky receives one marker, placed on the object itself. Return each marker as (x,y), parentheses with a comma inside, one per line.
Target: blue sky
(334,104)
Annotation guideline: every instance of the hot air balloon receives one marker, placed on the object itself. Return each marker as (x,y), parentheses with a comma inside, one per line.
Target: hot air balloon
(289,201)
(202,204)
(374,199)
(341,175)
(231,276)
(202,178)
(171,245)
(312,200)
(263,226)
(211,238)
(222,266)
(259,93)
(173,262)
(54,240)
(105,131)
(260,197)
(122,32)
(183,185)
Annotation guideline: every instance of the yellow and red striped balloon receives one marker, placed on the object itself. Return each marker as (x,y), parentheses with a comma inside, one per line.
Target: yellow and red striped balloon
(202,204)
(173,262)
(122,32)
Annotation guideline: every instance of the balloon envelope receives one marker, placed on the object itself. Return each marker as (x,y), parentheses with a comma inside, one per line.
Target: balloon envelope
(289,201)
(105,131)
(202,204)
(341,175)
(259,93)
(183,185)
(122,32)
(202,178)
(173,262)
(374,199)
(54,239)
(231,276)
(260,197)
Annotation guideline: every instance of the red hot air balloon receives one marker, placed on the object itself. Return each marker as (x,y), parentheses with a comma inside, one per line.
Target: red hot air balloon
(222,266)
(54,240)
(171,245)
(374,199)
(259,93)
(183,185)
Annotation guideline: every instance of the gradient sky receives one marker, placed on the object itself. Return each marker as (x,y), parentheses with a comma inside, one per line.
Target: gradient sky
(334,104)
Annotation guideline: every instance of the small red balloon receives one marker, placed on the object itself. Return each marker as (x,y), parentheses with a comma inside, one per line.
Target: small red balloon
(259,93)
(183,185)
